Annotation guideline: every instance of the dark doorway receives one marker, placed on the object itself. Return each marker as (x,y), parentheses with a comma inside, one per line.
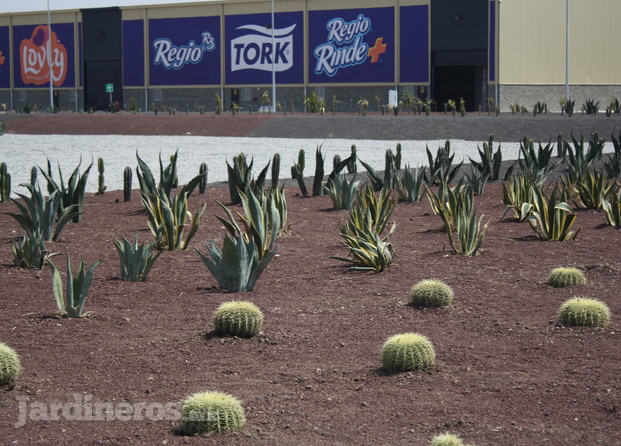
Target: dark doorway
(103,57)
(234,96)
(459,81)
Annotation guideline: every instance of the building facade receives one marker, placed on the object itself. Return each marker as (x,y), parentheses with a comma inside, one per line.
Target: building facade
(185,56)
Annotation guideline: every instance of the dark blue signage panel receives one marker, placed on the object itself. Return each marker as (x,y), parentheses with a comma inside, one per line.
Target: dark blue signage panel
(414,38)
(30,45)
(492,41)
(352,45)
(5,57)
(184,51)
(133,53)
(251,57)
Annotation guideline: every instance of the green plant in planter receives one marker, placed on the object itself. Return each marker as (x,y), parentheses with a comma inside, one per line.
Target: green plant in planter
(211,412)
(408,351)
(76,289)
(446,439)
(431,293)
(238,318)
(566,276)
(584,312)
(10,365)
(135,260)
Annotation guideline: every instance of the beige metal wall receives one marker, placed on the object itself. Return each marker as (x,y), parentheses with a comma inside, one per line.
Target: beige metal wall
(532,42)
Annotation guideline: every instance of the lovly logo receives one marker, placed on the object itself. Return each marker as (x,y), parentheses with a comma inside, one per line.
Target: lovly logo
(255,50)
(33,55)
(176,57)
(345,46)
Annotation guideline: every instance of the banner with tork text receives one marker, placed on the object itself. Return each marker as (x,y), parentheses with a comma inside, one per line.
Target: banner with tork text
(5,57)
(184,51)
(251,57)
(35,47)
(352,45)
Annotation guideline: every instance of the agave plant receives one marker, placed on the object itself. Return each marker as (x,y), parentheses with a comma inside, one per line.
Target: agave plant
(342,191)
(72,305)
(468,235)
(549,215)
(29,251)
(276,199)
(612,208)
(517,191)
(580,160)
(449,202)
(73,193)
(241,179)
(167,220)
(441,168)
(535,165)
(489,167)
(244,254)
(362,233)
(590,189)
(475,180)
(135,260)
(38,214)
(368,250)
(297,172)
(612,164)
(409,185)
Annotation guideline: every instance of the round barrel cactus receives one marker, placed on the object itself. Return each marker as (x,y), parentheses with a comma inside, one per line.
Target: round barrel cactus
(211,412)
(566,276)
(238,318)
(10,366)
(584,312)
(431,293)
(408,351)
(446,440)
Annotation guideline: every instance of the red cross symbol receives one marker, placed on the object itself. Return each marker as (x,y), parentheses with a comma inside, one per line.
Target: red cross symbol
(376,51)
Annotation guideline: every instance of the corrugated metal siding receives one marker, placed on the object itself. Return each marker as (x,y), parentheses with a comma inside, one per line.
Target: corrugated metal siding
(532,42)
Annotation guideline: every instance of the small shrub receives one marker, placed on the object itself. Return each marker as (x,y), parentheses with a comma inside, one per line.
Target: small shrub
(238,318)
(584,312)
(562,277)
(10,366)
(431,293)
(408,351)
(211,412)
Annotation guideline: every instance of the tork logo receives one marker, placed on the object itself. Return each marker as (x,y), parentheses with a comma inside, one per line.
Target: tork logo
(345,46)
(33,55)
(176,57)
(255,51)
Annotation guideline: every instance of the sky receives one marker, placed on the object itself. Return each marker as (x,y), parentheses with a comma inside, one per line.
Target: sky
(15,6)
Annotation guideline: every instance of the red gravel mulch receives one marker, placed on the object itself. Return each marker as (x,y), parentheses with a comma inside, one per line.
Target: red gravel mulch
(506,372)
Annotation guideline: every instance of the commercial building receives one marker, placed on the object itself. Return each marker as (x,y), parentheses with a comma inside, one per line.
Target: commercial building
(183,56)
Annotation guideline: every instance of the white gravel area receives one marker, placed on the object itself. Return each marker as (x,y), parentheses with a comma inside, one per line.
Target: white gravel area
(22,152)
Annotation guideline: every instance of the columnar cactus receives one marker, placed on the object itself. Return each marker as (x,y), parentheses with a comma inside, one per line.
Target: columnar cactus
(562,277)
(431,293)
(33,175)
(275,170)
(584,312)
(5,183)
(408,351)
(102,184)
(202,185)
(10,366)
(211,412)
(127,184)
(238,318)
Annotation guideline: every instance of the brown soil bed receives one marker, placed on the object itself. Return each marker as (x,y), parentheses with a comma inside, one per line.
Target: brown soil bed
(506,372)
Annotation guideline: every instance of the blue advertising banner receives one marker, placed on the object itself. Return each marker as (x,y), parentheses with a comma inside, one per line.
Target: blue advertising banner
(414,38)
(133,53)
(250,56)
(30,44)
(5,57)
(352,45)
(184,51)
